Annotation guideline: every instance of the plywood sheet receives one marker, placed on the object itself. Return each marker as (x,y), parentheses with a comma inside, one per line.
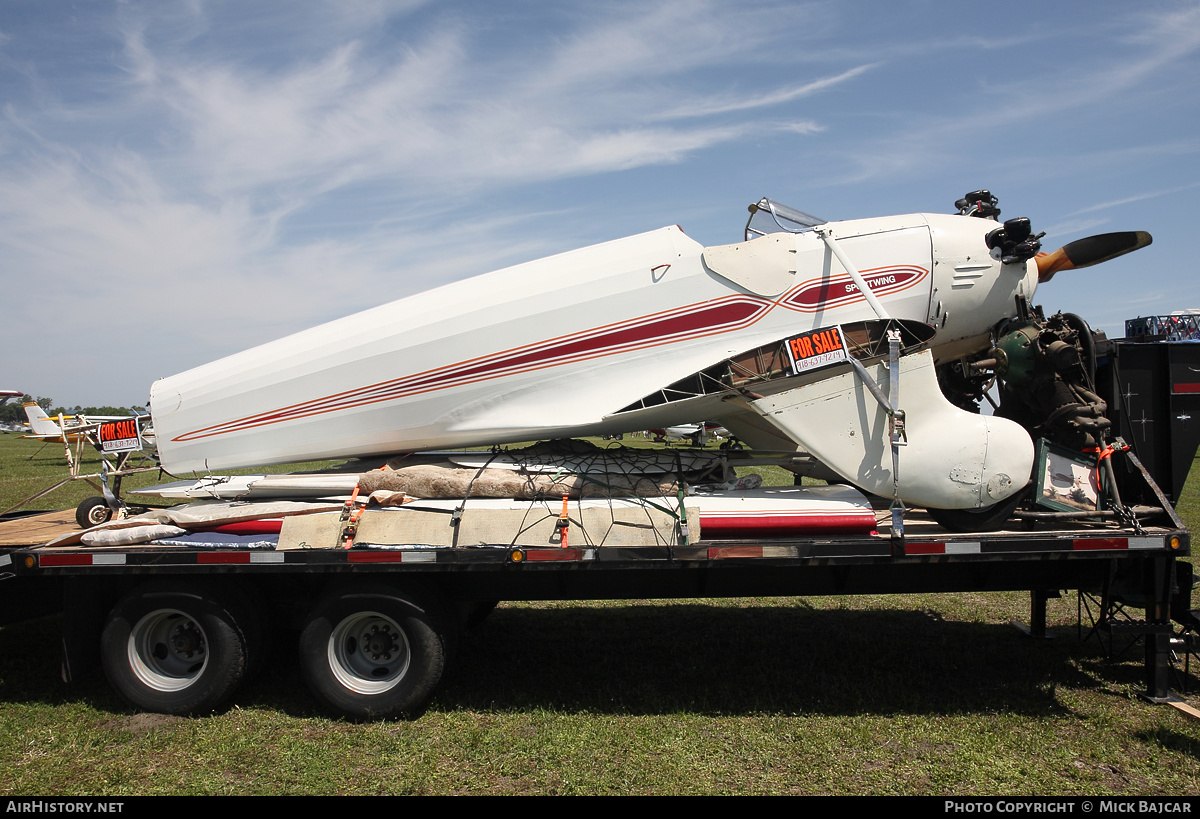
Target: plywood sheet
(36,529)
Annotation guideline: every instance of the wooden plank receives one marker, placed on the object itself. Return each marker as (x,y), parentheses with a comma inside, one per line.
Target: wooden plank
(1185,708)
(37,529)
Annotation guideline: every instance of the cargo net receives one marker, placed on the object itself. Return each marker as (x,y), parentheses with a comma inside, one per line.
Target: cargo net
(622,496)
(551,469)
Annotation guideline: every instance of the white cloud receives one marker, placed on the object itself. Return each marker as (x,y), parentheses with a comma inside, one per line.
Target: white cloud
(725,105)
(437,110)
(1141,197)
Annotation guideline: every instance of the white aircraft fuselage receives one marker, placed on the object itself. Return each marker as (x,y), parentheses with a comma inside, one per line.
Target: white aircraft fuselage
(563,346)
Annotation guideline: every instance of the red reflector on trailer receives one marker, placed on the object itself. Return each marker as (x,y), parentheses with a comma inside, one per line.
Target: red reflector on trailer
(553,554)
(911,548)
(355,556)
(1102,543)
(64,560)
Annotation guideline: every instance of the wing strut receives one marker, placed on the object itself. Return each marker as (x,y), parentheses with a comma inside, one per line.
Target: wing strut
(826,234)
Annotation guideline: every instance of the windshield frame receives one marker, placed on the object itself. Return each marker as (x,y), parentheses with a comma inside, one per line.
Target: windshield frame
(772,215)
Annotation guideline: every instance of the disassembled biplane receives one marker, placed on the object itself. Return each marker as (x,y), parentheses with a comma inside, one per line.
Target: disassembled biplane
(858,352)
(861,348)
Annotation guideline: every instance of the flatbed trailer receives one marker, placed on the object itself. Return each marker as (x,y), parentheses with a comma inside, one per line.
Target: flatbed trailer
(176,629)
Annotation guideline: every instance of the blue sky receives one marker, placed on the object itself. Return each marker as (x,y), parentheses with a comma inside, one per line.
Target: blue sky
(180,181)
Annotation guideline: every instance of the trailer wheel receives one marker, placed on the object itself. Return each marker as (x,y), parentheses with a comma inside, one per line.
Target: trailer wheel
(92,512)
(174,649)
(374,652)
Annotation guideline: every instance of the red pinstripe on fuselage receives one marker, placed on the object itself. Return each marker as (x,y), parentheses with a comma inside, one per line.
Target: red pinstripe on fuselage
(707,318)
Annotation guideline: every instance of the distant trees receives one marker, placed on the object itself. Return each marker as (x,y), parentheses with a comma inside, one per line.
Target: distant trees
(14,412)
(78,410)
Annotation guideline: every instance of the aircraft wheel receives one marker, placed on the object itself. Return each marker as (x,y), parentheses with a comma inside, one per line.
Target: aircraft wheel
(174,648)
(92,512)
(372,652)
(986,519)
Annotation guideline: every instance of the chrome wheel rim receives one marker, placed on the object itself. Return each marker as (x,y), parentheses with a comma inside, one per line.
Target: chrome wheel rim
(369,653)
(168,650)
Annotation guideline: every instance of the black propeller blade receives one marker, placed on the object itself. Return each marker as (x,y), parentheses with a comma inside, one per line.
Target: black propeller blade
(1090,251)
(1101,248)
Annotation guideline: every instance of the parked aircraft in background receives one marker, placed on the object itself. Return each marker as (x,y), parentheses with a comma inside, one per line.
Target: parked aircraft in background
(5,397)
(74,428)
(68,428)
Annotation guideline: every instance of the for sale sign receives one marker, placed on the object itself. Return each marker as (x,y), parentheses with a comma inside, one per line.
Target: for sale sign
(120,436)
(816,349)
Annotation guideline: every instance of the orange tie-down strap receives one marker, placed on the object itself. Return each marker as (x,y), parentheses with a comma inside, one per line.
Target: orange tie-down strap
(1107,452)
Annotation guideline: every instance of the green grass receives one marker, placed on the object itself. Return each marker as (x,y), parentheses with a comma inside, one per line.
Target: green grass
(28,467)
(913,694)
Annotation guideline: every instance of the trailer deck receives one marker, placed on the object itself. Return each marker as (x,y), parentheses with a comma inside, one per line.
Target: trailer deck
(923,539)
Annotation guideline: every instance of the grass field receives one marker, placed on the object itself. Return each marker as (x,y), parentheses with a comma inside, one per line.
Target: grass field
(915,694)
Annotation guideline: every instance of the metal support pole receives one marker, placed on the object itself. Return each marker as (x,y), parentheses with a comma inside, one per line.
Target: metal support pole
(1037,613)
(1160,576)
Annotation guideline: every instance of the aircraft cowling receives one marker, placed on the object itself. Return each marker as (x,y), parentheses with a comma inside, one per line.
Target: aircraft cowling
(952,459)
(973,289)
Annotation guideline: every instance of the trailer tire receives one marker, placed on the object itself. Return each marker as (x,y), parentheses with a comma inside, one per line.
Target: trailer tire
(92,512)
(175,648)
(374,652)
